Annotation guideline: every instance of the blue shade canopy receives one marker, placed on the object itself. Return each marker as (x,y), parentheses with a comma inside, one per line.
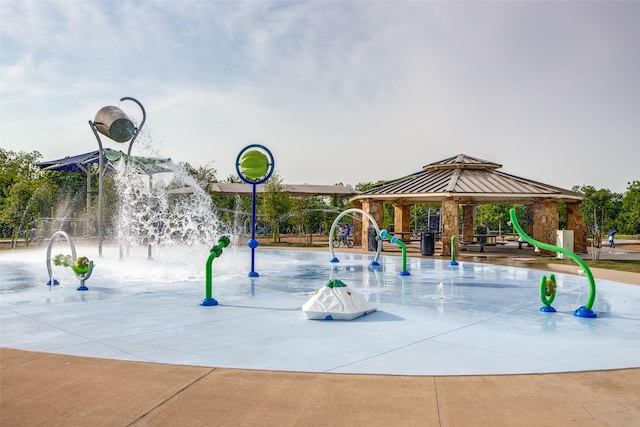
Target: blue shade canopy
(83,162)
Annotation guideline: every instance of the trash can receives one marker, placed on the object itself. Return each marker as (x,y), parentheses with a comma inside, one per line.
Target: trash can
(372,243)
(482,238)
(427,243)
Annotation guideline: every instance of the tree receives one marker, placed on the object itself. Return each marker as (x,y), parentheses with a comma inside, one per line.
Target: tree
(308,214)
(496,216)
(202,175)
(628,221)
(69,194)
(18,182)
(274,203)
(15,166)
(599,208)
(232,210)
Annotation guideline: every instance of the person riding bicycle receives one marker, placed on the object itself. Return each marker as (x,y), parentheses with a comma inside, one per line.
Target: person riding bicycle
(345,229)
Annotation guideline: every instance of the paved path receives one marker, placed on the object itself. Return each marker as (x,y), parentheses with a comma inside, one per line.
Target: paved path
(39,389)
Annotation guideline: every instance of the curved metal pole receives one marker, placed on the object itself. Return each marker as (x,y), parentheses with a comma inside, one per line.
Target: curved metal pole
(139,128)
(254,243)
(333,228)
(101,168)
(584,311)
(52,240)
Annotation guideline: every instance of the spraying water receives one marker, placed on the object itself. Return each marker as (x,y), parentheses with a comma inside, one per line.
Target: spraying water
(150,213)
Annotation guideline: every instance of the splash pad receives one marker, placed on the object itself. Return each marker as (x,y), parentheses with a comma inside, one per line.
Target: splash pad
(472,319)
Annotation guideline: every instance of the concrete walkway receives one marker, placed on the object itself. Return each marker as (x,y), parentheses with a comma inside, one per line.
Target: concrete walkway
(42,389)
(39,389)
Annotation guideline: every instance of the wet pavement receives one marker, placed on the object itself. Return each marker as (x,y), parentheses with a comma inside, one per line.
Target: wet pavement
(483,319)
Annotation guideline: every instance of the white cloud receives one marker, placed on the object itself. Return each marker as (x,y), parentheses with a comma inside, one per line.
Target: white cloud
(390,86)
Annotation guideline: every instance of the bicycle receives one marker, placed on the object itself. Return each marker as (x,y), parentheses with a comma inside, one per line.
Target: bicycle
(342,239)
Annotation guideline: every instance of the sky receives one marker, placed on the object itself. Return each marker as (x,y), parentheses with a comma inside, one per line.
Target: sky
(339,91)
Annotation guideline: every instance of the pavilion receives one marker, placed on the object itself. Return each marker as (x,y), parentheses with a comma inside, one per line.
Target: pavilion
(465,181)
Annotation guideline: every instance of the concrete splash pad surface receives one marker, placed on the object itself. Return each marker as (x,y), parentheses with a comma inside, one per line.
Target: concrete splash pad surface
(473,319)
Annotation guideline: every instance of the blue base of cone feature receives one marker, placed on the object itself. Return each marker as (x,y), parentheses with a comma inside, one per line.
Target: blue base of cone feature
(584,312)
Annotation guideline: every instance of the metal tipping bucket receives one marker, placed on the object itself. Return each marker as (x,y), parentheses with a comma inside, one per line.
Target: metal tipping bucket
(114,123)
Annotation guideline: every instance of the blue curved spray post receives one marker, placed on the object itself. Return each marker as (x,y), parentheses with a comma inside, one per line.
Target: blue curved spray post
(585,310)
(394,239)
(254,168)
(336,221)
(216,251)
(453,261)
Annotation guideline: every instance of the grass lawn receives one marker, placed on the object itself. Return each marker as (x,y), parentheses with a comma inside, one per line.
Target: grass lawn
(619,265)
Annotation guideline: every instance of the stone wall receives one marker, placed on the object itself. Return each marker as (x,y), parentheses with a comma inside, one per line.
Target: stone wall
(357,225)
(449,225)
(545,224)
(402,218)
(376,210)
(467,223)
(575,223)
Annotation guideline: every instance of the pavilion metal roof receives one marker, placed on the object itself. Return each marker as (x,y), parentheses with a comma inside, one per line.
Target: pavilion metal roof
(294,190)
(467,179)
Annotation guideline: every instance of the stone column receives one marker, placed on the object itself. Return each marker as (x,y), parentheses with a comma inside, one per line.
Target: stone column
(357,224)
(449,225)
(467,223)
(402,218)
(575,223)
(528,223)
(375,209)
(545,224)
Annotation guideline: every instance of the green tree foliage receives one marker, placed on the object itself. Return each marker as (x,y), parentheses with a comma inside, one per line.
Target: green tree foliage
(275,203)
(70,193)
(68,183)
(366,186)
(15,212)
(496,216)
(18,181)
(233,210)
(309,214)
(204,176)
(15,166)
(420,215)
(599,208)
(26,194)
(628,221)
